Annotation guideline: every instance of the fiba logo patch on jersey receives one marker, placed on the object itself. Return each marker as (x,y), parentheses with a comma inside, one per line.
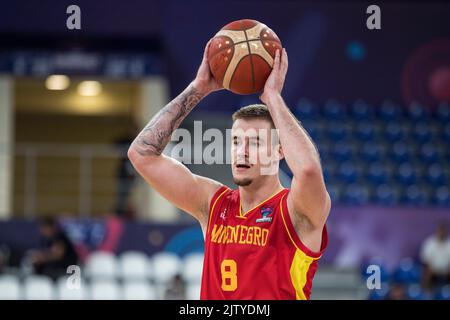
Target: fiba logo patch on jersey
(222,214)
(265,212)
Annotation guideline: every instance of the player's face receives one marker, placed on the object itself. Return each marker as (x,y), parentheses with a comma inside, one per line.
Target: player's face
(255,152)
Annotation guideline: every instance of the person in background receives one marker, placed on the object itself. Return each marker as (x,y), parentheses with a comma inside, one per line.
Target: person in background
(176,289)
(4,257)
(56,252)
(397,292)
(435,255)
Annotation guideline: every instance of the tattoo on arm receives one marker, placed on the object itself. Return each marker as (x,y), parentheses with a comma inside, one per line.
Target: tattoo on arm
(156,135)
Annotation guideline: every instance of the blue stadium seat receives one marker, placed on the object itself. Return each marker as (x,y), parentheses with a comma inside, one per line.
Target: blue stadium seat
(365,131)
(406,174)
(356,194)
(446,132)
(407,128)
(417,112)
(332,109)
(443,112)
(305,110)
(442,196)
(335,191)
(429,153)
(422,132)
(312,128)
(347,172)
(415,195)
(389,111)
(371,151)
(319,135)
(377,173)
(407,272)
(393,131)
(361,111)
(399,152)
(380,294)
(443,293)
(442,149)
(337,131)
(414,150)
(415,292)
(414,172)
(325,149)
(386,194)
(342,151)
(435,175)
(329,171)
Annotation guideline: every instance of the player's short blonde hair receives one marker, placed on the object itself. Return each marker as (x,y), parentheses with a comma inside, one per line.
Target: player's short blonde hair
(254,111)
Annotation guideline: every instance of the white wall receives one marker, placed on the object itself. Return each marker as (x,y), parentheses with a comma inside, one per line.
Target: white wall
(6,145)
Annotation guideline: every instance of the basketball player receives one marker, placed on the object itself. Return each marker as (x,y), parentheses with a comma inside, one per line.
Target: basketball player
(262,241)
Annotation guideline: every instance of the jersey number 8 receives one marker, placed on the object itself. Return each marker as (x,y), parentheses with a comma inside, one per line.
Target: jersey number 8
(228,269)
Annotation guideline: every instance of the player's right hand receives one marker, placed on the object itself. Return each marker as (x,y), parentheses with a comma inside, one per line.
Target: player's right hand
(275,81)
(204,81)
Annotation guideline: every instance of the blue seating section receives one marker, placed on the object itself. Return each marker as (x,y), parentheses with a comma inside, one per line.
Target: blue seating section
(408,275)
(385,155)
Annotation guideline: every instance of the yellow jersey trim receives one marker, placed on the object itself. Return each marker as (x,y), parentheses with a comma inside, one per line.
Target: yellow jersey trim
(289,234)
(300,263)
(299,273)
(261,203)
(212,208)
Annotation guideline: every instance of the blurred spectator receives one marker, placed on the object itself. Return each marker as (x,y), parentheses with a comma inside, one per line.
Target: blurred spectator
(126,175)
(4,257)
(435,255)
(56,252)
(397,292)
(176,289)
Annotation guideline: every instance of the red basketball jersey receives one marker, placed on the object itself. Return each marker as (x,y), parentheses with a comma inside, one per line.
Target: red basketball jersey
(255,255)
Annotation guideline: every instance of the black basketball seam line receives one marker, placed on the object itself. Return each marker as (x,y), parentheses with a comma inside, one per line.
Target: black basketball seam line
(226,48)
(220,51)
(234,70)
(236,43)
(247,40)
(232,46)
(237,65)
(251,60)
(262,44)
(250,39)
(249,53)
(263,59)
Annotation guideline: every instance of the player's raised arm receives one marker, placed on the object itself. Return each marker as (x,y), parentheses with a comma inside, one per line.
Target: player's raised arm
(166,175)
(308,201)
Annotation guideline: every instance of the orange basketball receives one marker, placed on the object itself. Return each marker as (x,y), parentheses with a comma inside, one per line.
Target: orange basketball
(241,55)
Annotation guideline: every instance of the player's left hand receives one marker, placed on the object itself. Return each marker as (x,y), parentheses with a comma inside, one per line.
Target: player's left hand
(275,81)
(204,80)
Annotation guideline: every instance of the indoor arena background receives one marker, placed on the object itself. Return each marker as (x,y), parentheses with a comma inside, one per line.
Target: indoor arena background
(376,103)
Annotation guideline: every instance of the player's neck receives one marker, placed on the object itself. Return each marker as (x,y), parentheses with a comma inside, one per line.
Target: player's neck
(256,193)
